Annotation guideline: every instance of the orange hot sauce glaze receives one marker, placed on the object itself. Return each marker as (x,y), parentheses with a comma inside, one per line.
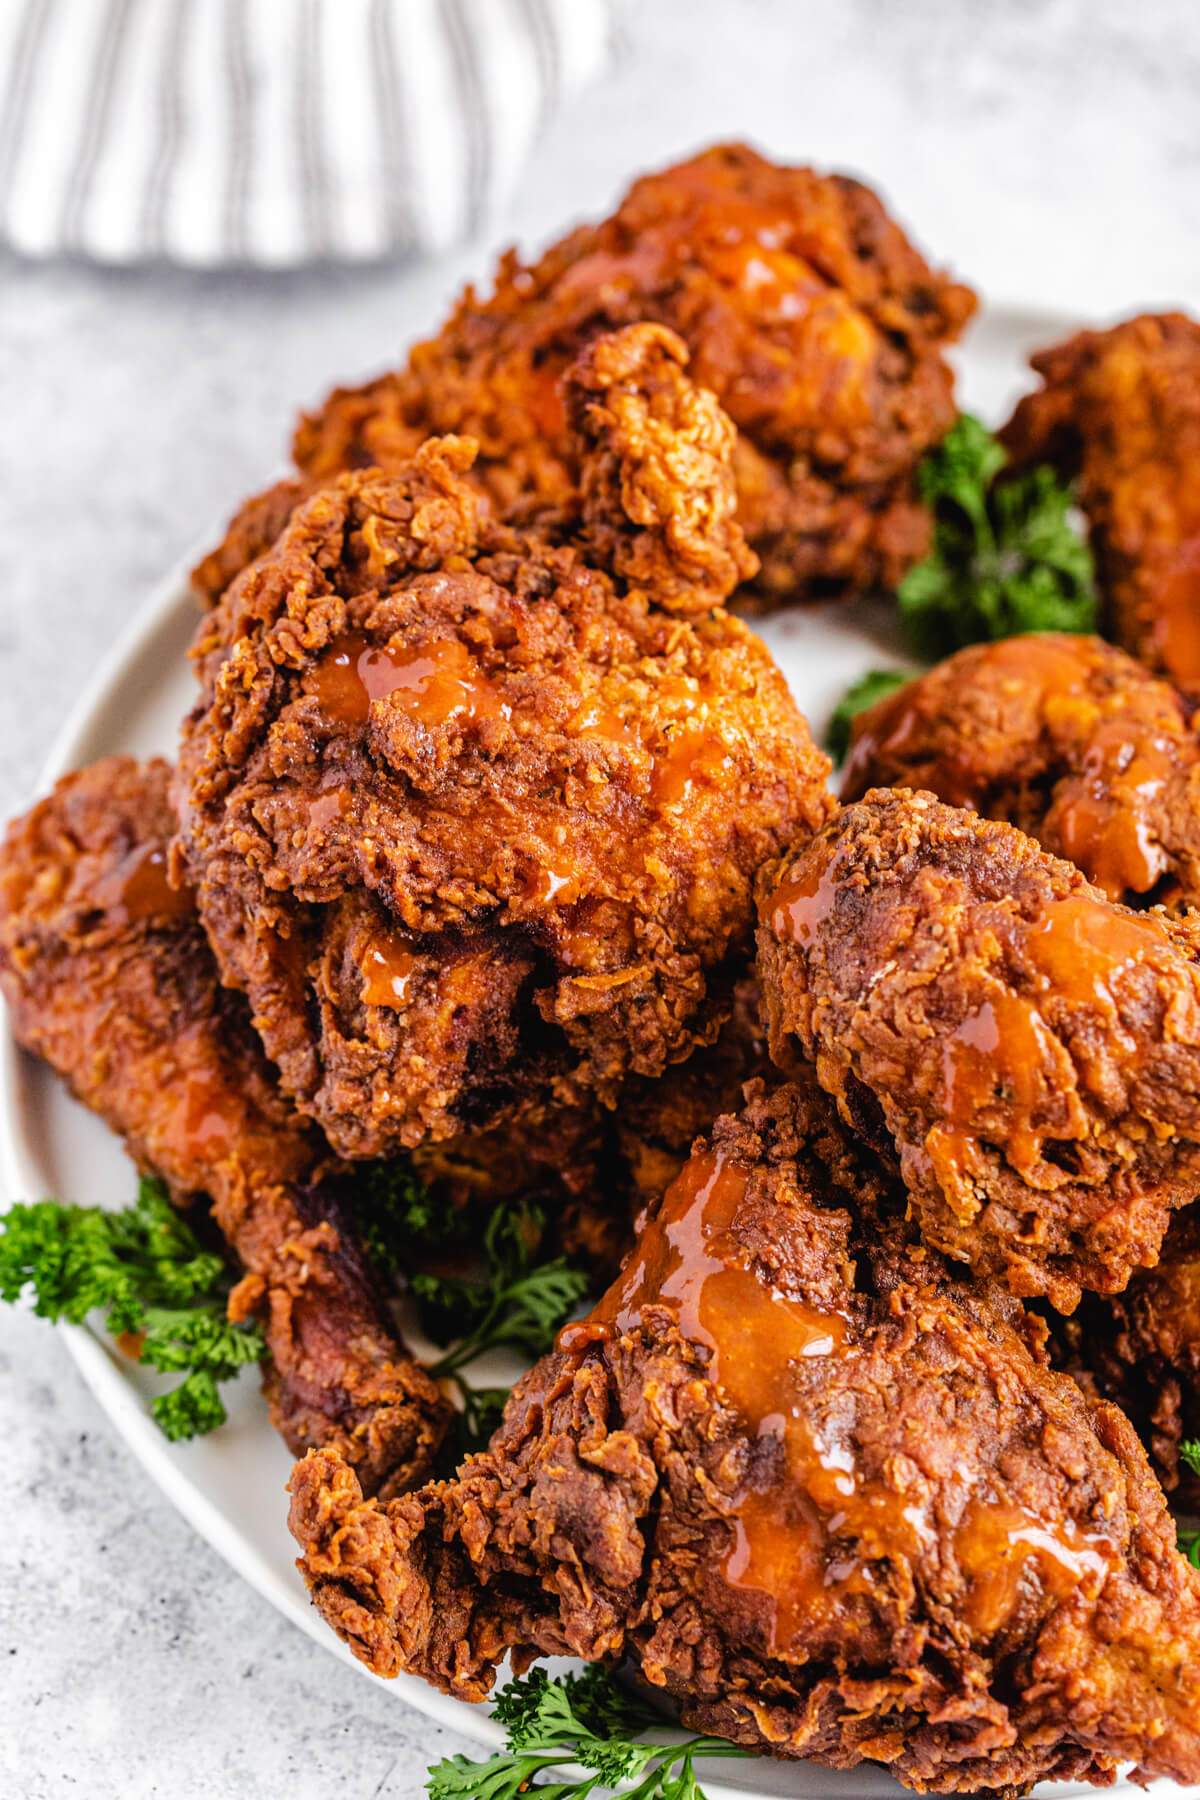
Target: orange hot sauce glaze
(687,1260)
(804,1532)
(432,682)
(1098,816)
(142,888)
(998,1546)
(1004,1048)
(387,969)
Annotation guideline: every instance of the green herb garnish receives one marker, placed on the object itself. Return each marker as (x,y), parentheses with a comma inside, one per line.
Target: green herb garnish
(586,1719)
(1189,1452)
(395,1213)
(1006,555)
(147,1271)
(516,1301)
(875,685)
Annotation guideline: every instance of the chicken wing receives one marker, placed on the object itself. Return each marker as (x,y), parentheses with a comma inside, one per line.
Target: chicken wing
(828,1499)
(1027,1050)
(108,976)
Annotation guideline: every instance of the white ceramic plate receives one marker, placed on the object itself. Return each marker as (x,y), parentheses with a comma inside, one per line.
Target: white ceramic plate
(230,1485)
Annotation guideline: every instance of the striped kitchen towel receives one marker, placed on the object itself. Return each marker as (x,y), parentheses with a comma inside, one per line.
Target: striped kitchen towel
(275,132)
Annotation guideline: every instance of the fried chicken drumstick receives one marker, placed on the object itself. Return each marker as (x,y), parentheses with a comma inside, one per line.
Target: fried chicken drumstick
(825,1497)
(108,976)
(472,818)
(1120,409)
(808,313)
(1067,738)
(1029,1051)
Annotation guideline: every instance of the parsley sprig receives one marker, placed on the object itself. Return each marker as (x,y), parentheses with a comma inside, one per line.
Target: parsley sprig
(518,1303)
(587,1719)
(147,1271)
(1006,555)
(517,1299)
(875,685)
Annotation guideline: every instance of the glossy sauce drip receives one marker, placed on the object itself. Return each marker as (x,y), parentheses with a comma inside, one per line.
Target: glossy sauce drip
(435,682)
(387,970)
(1002,1550)
(695,756)
(687,1260)
(1176,619)
(1102,819)
(799,906)
(595,720)
(552,881)
(1003,1052)
(333,804)
(999,1055)
(142,890)
(206,1128)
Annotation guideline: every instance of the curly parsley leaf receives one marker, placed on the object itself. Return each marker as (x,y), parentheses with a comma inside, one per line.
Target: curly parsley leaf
(875,685)
(395,1215)
(1006,557)
(513,1299)
(519,1303)
(1189,1452)
(1189,1545)
(588,1719)
(146,1270)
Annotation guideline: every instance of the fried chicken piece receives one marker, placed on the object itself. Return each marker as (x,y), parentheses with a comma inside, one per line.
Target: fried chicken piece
(808,313)
(1026,1049)
(472,821)
(1141,1349)
(1120,409)
(1067,738)
(108,977)
(657,1122)
(828,1499)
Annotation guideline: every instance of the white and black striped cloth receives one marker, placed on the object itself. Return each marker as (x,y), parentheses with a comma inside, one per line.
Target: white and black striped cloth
(274,132)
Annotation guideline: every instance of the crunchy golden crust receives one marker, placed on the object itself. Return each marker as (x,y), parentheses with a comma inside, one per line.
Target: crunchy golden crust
(1120,409)
(807,312)
(1067,738)
(253,529)
(108,976)
(910,1544)
(1030,1051)
(552,811)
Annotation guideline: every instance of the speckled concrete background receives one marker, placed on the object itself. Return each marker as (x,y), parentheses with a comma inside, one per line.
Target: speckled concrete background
(1049,148)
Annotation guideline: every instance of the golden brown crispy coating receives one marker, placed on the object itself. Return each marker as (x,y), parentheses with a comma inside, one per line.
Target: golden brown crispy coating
(1120,409)
(829,1500)
(657,1122)
(1067,738)
(808,313)
(1028,1050)
(108,977)
(474,824)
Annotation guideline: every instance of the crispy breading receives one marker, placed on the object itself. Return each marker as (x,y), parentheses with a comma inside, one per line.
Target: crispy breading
(830,1500)
(812,318)
(1067,738)
(1120,410)
(474,820)
(1027,1050)
(108,976)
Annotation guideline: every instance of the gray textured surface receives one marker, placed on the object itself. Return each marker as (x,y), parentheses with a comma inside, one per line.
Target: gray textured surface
(1049,148)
